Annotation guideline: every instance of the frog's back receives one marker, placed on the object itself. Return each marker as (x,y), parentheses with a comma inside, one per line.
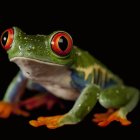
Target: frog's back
(88,69)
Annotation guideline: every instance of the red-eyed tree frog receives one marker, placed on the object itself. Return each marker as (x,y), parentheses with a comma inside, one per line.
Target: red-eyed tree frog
(53,64)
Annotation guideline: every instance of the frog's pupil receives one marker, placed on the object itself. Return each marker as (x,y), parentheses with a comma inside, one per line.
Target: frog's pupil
(4,38)
(63,43)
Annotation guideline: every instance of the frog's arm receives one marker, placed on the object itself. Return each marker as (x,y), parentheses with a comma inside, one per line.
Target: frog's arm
(81,108)
(9,104)
(16,88)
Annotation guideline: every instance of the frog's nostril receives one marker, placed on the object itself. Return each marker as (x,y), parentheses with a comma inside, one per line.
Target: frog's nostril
(28,73)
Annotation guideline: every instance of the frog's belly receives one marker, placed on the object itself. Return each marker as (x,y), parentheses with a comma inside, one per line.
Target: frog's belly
(62,92)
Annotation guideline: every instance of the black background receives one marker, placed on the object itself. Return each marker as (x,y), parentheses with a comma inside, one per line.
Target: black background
(108,31)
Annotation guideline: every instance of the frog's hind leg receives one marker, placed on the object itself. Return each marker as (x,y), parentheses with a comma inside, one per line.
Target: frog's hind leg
(41,99)
(120,100)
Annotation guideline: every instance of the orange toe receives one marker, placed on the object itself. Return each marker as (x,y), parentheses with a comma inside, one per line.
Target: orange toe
(5,109)
(124,121)
(34,123)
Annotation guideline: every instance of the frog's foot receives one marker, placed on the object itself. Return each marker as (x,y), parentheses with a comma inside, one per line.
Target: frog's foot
(8,108)
(51,122)
(42,99)
(105,119)
(102,116)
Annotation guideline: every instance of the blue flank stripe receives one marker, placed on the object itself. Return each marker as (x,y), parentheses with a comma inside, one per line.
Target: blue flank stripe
(78,81)
(111,82)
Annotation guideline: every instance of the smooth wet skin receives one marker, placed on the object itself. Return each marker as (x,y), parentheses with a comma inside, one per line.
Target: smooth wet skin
(52,65)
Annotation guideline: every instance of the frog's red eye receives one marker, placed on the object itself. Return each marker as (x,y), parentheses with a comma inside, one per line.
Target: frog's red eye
(7,38)
(61,43)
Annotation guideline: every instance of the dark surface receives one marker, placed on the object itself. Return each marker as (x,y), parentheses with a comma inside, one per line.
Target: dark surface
(109,33)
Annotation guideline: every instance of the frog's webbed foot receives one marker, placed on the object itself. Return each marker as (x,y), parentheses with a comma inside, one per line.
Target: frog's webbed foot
(104,119)
(8,108)
(42,99)
(51,122)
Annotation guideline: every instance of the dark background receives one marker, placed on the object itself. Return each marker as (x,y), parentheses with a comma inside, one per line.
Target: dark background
(108,31)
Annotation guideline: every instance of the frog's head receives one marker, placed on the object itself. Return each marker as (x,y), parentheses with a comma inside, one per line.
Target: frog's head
(56,48)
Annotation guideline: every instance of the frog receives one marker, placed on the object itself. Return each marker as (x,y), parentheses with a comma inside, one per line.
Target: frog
(54,64)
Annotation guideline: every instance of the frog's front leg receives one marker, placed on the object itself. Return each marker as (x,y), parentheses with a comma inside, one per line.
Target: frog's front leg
(81,108)
(120,100)
(10,102)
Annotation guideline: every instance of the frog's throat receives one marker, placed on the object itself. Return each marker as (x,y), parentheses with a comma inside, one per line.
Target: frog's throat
(35,69)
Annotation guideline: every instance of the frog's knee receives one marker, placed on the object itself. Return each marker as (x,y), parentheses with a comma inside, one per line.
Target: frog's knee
(117,96)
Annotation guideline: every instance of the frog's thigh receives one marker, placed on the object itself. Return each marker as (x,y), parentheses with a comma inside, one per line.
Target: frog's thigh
(119,96)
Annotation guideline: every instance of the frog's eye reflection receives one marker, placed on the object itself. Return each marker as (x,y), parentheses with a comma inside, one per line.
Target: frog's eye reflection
(61,43)
(7,38)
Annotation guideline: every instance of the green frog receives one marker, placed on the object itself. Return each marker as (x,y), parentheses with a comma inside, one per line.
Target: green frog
(53,64)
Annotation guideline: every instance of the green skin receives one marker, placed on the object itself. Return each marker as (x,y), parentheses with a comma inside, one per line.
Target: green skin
(119,96)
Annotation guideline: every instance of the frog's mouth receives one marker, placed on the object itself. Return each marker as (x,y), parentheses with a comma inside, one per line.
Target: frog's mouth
(36,69)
